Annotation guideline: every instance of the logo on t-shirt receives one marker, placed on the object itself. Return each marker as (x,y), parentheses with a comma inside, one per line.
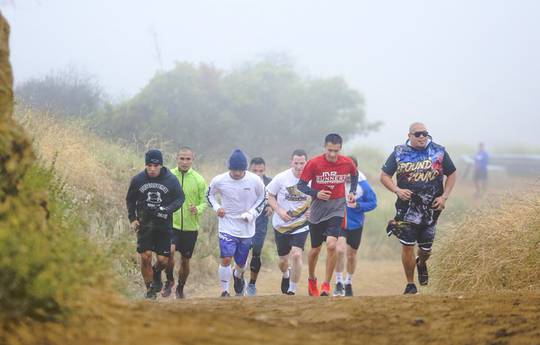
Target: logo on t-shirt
(330,177)
(293,194)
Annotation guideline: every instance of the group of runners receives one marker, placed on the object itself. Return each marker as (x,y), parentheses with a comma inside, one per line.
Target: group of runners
(325,197)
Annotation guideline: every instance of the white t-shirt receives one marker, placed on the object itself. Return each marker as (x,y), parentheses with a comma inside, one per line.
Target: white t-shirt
(237,197)
(283,186)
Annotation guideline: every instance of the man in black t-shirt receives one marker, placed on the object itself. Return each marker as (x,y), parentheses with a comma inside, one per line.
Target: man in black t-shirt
(420,166)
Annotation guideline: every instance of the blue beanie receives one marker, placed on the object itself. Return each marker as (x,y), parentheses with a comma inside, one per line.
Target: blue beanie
(153,157)
(238,160)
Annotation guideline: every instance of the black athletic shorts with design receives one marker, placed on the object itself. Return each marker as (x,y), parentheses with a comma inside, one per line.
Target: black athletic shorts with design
(410,234)
(353,236)
(184,241)
(319,232)
(284,242)
(153,239)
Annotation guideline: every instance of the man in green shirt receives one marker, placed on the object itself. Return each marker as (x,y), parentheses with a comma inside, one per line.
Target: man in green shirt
(185,220)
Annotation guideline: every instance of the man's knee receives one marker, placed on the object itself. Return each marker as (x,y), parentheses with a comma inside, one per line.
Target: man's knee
(423,254)
(296,253)
(255,264)
(184,261)
(351,255)
(314,251)
(146,258)
(331,245)
(162,261)
(226,261)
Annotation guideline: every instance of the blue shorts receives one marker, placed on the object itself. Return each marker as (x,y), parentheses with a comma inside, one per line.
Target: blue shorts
(237,247)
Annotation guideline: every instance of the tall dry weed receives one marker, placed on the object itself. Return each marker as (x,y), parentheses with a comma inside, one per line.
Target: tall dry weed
(496,248)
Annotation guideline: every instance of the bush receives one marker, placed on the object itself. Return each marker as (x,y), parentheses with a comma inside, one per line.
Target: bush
(44,260)
(494,249)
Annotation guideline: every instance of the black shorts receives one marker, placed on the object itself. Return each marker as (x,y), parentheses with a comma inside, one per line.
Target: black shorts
(353,237)
(184,241)
(155,240)
(284,242)
(319,232)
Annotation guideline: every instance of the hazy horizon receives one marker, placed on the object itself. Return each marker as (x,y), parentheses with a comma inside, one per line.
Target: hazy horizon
(469,70)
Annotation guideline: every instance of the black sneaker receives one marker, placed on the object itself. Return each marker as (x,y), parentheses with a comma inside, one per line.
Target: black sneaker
(339,290)
(151,294)
(410,289)
(180,292)
(167,290)
(348,290)
(290,293)
(422,272)
(239,285)
(225,294)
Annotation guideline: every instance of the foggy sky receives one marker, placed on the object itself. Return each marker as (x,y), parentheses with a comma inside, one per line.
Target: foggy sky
(469,69)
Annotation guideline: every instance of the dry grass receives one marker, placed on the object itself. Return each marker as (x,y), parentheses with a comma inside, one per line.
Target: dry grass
(497,248)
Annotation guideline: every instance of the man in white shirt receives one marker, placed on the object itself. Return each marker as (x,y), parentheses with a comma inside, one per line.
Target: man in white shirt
(243,198)
(290,220)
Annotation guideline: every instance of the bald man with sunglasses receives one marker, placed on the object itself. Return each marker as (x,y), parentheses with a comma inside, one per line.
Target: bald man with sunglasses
(420,166)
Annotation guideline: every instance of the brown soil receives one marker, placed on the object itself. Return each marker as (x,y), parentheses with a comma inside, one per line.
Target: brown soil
(277,319)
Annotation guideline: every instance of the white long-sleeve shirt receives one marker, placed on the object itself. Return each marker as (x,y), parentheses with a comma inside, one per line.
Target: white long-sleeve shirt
(237,197)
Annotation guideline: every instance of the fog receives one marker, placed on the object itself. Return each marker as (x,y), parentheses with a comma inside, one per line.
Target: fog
(470,70)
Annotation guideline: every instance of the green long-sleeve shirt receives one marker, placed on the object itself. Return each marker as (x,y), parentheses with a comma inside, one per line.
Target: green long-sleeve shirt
(194,188)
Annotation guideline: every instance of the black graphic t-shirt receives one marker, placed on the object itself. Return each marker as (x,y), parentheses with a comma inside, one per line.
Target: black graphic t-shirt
(146,195)
(421,171)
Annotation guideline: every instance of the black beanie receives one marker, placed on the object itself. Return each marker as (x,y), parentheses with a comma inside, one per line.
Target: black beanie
(153,157)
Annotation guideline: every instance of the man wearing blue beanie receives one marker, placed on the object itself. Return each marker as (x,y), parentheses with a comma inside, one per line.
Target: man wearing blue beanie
(153,196)
(243,198)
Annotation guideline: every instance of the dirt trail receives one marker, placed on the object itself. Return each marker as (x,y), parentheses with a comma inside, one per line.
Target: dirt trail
(277,319)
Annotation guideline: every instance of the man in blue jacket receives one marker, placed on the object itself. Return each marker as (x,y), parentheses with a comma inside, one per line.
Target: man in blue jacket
(153,196)
(351,232)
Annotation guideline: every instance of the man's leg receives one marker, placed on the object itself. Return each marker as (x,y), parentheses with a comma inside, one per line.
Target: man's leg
(227,247)
(425,242)
(146,268)
(169,272)
(331,257)
(353,243)
(296,268)
(256,251)
(185,246)
(243,245)
(409,262)
(313,257)
(341,247)
(225,275)
(316,233)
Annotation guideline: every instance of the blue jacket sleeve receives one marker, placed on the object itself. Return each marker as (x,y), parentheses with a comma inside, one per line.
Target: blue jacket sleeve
(178,198)
(131,200)
(304,188)
(368,201)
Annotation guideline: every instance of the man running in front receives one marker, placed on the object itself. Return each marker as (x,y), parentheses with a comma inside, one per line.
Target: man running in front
(290,220)
(327,174)
(420,166)
(153,195)
(243,198)
(185,220)
(258,167)
(351,233)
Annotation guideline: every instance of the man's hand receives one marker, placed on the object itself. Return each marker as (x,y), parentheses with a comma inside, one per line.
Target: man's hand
(324,195)
(284,215)
(351,198)
(438,203)
(221,212)
(269,211)
(134,226)
(404,194)
(192,209)
(247,217)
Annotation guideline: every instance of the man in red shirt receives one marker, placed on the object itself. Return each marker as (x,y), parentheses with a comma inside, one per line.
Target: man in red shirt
(327,174)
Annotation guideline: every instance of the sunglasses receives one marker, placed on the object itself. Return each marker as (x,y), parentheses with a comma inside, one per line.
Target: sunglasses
(420,134)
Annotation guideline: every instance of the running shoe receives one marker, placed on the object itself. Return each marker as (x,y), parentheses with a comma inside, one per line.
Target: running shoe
(291,293)
(239,285)
(167,290)
(410,289)
(225,294)
(339,290)
(348,290)
(325,289)
(422,272)
(180,292)
(151,294)
(251,290)
(313,290)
